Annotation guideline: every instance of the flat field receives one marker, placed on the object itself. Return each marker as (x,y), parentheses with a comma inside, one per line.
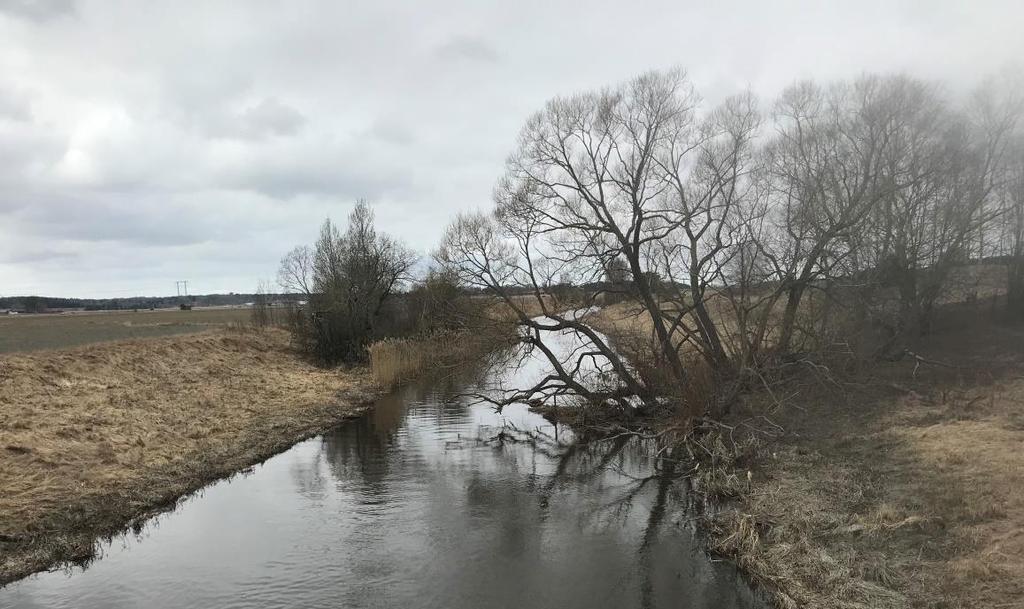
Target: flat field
(21,333)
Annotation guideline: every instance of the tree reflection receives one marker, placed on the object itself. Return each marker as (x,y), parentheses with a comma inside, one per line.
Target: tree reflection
(497,498)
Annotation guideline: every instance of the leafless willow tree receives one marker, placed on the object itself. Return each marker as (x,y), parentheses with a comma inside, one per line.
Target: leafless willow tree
(629,178)
(721,223)
(477,248)
(949,163)
(711,192)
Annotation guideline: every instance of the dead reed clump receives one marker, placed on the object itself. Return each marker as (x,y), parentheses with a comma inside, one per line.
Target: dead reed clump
(394,361)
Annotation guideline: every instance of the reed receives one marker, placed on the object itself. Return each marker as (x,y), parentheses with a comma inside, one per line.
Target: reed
(394,361)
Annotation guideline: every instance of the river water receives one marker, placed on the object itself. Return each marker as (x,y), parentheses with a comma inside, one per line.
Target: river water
(429,500)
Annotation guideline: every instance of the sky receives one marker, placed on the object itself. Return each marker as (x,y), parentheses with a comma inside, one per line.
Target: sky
(147,142)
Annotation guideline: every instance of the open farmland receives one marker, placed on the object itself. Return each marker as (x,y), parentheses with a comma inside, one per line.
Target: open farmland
(20,333)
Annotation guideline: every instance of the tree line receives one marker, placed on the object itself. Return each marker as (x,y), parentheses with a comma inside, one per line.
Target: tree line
(750,234)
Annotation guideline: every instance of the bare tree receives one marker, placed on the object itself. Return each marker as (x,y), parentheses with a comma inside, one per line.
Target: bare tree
(372,266)
(947,164)
(711,224)
(1013,227)
(918,231)
(709,187)
(295,274)
(479,250)
(827,175)
(348,278)
(630,182)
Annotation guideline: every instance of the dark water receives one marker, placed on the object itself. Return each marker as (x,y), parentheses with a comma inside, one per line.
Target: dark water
(430,501)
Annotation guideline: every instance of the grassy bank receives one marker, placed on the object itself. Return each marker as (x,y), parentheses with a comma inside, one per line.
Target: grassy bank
(94,438)
(899,485)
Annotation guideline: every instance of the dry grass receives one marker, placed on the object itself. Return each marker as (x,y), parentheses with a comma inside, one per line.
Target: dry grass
(623,321)
(19,333)
(91,438)
(395,361)
(903,487)
(902,490)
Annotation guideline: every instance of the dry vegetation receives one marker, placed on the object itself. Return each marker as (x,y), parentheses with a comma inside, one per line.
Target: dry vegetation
(489,328)
(94,438)
(20,333)
(903,486)
(394,361)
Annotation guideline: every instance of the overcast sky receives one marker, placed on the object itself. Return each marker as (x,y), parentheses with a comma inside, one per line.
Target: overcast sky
(146,142)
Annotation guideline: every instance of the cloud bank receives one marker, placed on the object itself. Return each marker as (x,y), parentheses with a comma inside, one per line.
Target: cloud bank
(142,143)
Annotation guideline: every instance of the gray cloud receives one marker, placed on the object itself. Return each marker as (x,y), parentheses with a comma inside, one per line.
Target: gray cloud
(129,221)
(268,117)
(146,142)
(392,131)
(467,48)
(36,256)
(345,178)
(37,10)
(14,106)
(272,117)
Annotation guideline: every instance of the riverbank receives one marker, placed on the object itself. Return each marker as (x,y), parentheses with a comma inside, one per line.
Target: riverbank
(95,438)
(898,485)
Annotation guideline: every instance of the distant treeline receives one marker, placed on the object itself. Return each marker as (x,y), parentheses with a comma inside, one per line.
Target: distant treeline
(46,303)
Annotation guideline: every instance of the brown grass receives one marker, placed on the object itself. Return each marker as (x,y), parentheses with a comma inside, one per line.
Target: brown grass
(92,438)
(395,361)
(900,490)
(900,487)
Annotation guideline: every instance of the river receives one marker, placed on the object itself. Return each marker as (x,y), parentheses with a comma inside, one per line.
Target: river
(430,500)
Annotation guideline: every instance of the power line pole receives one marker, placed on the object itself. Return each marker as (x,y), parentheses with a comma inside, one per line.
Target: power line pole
(181,286)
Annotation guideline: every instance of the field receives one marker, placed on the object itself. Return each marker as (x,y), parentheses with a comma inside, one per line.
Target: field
(20,333)
(92,438)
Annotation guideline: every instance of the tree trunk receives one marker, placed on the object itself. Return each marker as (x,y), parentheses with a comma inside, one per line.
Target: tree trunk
(794,294)
(1015,287)
(910,304)
(709,334)
(667,349)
